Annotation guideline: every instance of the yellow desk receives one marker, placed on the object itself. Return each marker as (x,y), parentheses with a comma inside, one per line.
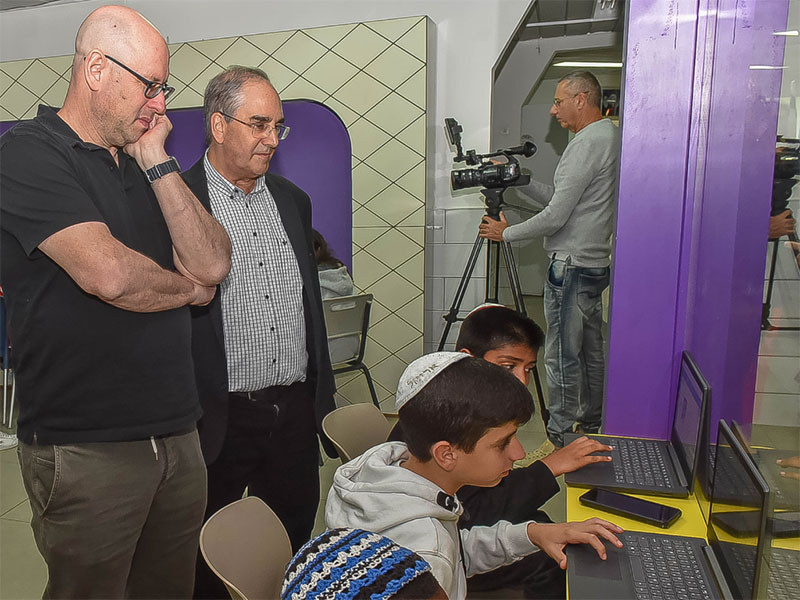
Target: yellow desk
(690,523)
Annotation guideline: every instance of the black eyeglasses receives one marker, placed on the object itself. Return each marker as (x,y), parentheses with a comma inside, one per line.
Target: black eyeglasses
(151,88)
(557,101)
(262,129)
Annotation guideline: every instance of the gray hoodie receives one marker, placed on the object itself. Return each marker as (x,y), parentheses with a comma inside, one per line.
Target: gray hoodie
(335,282)
(375,493)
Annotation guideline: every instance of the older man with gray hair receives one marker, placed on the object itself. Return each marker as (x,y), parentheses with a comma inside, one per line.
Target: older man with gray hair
(260,348)
(576,223)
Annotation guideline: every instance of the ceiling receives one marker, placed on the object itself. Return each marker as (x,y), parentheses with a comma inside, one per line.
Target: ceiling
(12,4)
(557,18)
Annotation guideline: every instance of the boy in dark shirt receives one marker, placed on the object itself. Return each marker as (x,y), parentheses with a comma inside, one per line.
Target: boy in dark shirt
(407,491)
(502,336)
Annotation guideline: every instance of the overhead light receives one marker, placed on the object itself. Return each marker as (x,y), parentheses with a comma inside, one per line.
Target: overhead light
(589,65)
(791,32)
(765,68)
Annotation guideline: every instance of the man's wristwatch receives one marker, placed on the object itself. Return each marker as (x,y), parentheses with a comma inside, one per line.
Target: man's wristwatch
(161,169)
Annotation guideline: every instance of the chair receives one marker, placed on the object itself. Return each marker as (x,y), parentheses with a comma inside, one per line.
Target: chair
(356,428)
(246,546)
(347,319)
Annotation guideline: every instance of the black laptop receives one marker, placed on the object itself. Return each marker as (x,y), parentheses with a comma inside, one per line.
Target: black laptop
(664,566)
(658,467)
(785,490)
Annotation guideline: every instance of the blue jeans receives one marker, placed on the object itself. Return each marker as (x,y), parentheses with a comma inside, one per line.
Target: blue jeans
(574,361)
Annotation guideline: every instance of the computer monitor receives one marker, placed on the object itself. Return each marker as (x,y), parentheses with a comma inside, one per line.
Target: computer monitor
(692,406)
(741,550)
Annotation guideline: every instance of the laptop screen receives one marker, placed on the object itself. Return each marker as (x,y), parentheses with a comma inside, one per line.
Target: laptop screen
(738,517)
(691,407)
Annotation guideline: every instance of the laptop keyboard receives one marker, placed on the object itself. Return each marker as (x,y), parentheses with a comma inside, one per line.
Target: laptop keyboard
(783,570)
(640,462)
(732,480)
(665,568)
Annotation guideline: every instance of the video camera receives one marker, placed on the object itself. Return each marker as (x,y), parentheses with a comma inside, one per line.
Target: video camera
(488,174)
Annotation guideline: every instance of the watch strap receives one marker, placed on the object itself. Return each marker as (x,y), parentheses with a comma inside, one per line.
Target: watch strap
(161,169)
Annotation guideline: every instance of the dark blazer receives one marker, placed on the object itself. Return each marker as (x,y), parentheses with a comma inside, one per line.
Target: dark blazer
(208,347)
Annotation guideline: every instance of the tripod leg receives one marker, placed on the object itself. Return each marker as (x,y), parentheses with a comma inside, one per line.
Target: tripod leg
(452,315)
(767,305)
(492,272)
(513,278)
(519,302)
(537,383)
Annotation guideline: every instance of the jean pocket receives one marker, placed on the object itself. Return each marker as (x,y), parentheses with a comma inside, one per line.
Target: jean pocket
(592,281)
(556,272)
(45,475)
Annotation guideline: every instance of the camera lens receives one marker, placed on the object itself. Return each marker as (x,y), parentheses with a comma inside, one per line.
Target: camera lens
(465,178)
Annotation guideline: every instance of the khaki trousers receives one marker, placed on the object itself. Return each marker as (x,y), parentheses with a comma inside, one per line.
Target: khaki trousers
(120,519)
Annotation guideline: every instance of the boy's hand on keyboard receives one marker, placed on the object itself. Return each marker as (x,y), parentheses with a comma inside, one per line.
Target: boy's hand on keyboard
(552,538)
(792,462)
(576,455)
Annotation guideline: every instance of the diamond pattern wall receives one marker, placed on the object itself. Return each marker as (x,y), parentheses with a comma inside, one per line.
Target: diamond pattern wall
(374,75)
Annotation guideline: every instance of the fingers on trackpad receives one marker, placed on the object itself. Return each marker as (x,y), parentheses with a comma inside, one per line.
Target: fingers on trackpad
(586,563)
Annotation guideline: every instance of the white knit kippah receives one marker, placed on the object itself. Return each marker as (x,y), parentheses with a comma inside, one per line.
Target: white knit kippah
(421,371)
(486,305)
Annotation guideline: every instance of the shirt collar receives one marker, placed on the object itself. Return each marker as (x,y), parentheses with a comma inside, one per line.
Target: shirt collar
(215,178)
(48,117)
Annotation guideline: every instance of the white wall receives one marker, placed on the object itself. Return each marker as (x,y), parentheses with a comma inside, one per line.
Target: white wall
(470,35)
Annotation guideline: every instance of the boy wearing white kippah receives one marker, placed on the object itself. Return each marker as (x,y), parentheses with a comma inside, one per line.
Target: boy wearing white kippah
(406,491)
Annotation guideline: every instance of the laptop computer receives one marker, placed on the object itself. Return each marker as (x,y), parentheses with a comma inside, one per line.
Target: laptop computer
(658,467)
(664,566)
(786,490)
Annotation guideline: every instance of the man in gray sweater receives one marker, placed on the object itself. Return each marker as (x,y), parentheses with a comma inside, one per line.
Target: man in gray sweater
(576,225)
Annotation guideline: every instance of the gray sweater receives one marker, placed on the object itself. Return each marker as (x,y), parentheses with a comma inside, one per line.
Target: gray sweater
(579,207)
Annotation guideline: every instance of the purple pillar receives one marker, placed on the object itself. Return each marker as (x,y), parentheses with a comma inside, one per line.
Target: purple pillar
(698,142)
(735,184)
(658,84)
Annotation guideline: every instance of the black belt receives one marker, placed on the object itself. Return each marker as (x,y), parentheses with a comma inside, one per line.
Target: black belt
(176,433)
(160,436)
(273,394)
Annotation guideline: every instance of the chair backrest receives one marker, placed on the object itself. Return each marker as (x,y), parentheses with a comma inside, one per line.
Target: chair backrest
(348,317)
(356,428)
(246,546)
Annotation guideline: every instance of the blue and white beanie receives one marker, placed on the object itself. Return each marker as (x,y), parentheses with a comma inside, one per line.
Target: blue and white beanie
(345,564)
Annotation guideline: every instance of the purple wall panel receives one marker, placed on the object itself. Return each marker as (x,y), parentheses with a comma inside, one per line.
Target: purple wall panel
(316,157)
(646,266)
(696,167)
(723,323)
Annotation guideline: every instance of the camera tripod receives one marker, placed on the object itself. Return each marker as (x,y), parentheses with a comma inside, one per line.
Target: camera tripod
(766,307)
(494,200)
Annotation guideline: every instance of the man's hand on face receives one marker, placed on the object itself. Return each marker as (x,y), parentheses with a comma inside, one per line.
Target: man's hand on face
(491,229)
(148,150)
(552,538)
(576,455)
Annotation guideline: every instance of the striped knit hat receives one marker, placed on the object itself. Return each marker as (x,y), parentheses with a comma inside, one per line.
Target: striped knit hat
(344,564)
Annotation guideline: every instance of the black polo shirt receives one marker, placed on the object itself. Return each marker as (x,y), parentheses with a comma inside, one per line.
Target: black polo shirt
(86,371)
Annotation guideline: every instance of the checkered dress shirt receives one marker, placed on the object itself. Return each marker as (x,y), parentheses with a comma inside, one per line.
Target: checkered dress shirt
(262,296)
